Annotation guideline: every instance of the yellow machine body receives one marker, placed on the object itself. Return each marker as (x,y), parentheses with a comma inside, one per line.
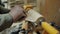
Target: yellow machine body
(50,29)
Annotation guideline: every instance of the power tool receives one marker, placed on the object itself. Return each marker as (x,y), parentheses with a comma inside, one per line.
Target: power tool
(35,17)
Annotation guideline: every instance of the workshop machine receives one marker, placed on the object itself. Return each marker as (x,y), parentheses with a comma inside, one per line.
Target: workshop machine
(34,19)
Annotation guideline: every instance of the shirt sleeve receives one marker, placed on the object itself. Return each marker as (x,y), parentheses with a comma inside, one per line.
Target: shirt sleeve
(6,21)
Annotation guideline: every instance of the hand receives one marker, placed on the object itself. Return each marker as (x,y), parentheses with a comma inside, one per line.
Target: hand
(17,12)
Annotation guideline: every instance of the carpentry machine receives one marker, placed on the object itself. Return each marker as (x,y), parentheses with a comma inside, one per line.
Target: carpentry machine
(34,19)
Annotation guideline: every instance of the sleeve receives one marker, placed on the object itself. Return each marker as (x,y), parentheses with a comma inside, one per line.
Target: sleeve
(6,21)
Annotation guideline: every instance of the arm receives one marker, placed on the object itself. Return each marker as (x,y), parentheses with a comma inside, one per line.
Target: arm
(6,20)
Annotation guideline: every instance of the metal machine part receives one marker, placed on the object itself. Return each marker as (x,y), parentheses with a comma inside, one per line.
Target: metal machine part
(35,17)
(56,26)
